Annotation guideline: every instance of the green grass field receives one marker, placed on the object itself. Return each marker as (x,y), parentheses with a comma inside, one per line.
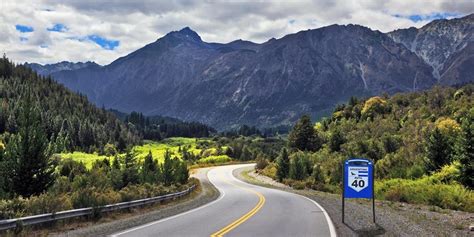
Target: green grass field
(157,150)
(86,158)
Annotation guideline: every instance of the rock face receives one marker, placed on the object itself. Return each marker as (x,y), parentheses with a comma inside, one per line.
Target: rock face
(266,84)
(445,45)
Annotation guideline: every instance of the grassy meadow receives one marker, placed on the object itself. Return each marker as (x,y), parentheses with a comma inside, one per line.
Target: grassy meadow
(203,148)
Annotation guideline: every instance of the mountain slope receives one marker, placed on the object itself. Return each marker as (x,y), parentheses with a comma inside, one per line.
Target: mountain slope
(273,83)
(70,121)
(439,44)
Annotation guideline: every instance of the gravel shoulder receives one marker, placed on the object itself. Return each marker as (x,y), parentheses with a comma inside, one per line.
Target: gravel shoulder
(393,218)
(121,221)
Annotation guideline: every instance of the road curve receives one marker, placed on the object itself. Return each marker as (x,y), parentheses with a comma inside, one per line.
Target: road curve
(243,210)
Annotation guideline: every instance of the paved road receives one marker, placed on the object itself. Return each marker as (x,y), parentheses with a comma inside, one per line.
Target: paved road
(243,210)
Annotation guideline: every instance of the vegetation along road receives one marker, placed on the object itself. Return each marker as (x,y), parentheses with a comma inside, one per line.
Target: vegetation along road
(243,210)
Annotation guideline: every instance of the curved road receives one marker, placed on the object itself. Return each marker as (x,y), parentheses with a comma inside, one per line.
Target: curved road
(243,210)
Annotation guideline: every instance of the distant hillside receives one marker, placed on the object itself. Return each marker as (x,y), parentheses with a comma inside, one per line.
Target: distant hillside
(274,83)
(49,69)
(70,121)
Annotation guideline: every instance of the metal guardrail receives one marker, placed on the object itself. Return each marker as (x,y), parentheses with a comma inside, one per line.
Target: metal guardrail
(42,218)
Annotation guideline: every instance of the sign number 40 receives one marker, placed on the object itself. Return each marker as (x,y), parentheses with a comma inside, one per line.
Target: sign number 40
(356,184)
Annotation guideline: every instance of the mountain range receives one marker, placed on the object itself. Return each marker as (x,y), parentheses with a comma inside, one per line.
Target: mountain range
(275,82)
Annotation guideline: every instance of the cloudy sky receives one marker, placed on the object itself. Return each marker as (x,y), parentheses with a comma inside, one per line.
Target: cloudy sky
(49,31)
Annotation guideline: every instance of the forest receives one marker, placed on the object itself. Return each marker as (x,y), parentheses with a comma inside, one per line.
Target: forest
(39,120)
(421,144)
(159,127)
(69,121)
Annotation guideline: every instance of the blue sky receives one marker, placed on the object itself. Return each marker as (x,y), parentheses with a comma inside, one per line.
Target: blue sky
(429,17)
(24,28)
(58,27)
(103,42)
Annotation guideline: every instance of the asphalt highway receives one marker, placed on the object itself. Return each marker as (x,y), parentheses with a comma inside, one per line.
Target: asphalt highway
(243,210)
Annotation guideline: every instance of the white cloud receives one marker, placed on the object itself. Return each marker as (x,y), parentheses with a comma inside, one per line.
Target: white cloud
(137,23)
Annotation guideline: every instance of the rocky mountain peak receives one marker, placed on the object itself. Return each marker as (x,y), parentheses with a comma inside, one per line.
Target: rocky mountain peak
(187,33)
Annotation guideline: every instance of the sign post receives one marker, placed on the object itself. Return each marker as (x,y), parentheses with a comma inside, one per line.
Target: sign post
(358,181)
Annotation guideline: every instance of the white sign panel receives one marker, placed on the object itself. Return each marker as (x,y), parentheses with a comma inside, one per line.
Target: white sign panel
(358,177)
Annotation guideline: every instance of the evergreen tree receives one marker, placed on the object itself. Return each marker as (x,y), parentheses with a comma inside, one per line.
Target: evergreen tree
(438,151)
(303,136)
(298,169)
(283,165)
(336,140)
(465,152)
(167,169)
(149,169)
(181,172)
(32,170)
(130,172)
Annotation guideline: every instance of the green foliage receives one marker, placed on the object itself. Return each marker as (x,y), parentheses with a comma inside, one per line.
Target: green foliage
(283,165)
(69,121)
(167,169)
(299,166)
(429,190)
(465,150)
(439,151)
(31,169)
(157,127)
(214,159)
(303,136)
(261,162)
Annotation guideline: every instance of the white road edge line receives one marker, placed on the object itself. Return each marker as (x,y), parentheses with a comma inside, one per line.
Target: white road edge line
(332,228)
(222,194)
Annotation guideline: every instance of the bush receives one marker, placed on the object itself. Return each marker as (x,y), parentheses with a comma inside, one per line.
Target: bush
(426,191)
(214,159)
(270,171)
(261,162)
(48,203)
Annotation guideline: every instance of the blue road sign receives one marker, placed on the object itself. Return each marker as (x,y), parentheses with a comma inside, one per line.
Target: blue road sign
(358,178)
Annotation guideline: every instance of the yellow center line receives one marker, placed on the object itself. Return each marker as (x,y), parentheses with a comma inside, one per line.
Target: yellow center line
(242,219)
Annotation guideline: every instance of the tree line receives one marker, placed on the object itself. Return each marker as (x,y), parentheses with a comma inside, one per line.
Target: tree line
(158,127)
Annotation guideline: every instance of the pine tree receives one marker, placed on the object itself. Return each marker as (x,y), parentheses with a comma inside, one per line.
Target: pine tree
(181,172)
(438,151)
(303,136)
(149,169)
(465,152)
(130,172)
(283,165)
(167,169)
(336,140)
(32,170)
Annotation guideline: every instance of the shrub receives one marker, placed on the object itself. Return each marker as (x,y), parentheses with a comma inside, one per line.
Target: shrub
(425,191)
(48,203)
(270,171)
(261,162)
(214,159)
